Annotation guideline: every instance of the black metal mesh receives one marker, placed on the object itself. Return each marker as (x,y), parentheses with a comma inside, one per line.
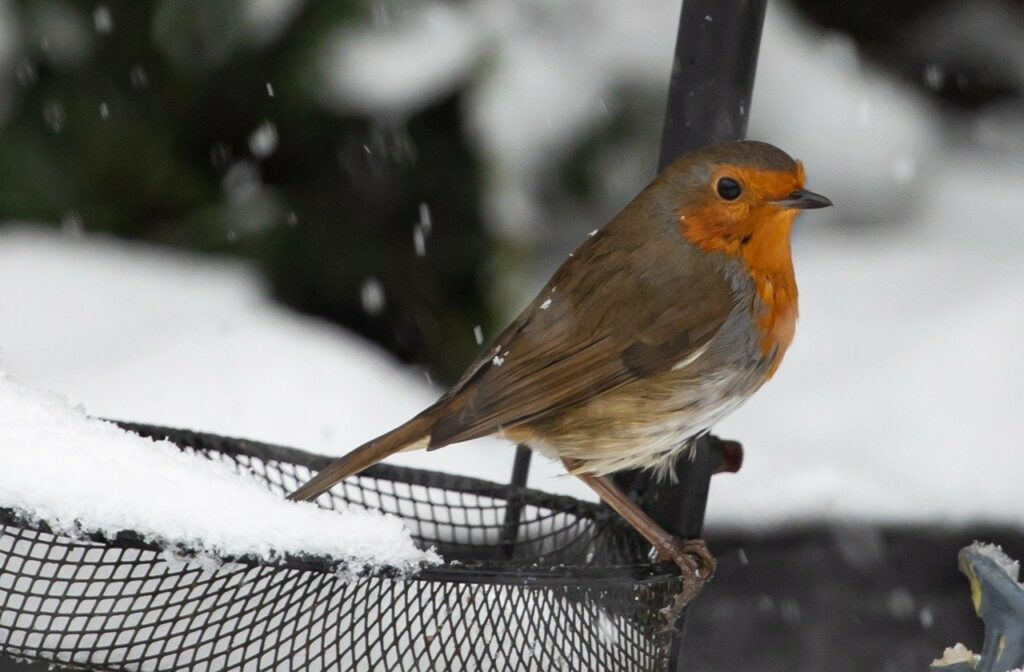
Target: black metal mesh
(530,581)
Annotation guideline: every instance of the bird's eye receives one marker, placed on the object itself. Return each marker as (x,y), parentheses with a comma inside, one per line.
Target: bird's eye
(729,189)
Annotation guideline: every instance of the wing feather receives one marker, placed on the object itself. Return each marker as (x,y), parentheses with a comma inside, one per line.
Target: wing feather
(593,328)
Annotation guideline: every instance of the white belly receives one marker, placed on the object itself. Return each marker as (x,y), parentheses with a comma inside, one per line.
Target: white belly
(644,425)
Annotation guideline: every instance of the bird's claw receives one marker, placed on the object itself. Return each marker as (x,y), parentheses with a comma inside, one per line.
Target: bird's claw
(696,566)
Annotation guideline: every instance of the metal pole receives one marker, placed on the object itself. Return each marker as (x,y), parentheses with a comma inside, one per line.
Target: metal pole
(708,102)
(712,75)
(514,504)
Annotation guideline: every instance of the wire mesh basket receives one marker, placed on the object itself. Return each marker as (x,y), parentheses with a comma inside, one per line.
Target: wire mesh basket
(530,581)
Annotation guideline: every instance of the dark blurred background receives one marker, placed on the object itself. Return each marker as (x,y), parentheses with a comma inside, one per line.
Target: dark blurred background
(412,170)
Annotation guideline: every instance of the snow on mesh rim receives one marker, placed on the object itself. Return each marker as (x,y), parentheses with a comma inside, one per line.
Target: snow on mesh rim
(995,553)
(79,474)
(955,655)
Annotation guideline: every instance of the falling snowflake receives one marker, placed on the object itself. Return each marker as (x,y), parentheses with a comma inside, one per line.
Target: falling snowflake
(263,140)
(102,20)
(371,295)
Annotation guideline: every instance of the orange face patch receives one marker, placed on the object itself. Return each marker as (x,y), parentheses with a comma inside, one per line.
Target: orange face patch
(752,226)
(756,231)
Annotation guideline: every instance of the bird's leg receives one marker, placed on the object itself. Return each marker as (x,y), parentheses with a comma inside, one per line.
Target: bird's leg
(695,562)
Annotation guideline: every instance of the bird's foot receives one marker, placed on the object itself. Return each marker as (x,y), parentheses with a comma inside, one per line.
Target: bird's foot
(696,565)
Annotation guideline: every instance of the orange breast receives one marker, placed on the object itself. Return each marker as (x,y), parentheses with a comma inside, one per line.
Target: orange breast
(769,260)
(760,239)
(777,320)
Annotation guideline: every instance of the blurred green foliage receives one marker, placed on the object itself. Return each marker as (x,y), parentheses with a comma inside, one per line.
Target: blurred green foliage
(194,125)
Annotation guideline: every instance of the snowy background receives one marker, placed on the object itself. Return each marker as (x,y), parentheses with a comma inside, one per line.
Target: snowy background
(861,424)
(905,377)
(899,404)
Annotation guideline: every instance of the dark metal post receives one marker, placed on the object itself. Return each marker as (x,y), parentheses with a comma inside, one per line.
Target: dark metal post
(708,102)
(712,75)
(514,504)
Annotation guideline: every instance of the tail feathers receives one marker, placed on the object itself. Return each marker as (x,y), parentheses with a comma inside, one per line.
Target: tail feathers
(401,438)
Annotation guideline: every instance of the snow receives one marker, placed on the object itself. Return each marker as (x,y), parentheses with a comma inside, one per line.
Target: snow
(102,20)
(419,241)
(858,122)
(537,84)
(426,220)
(607,629)
(263,141)
(84,475)
(265,20)
(996,554)
(145,334)
(372,296)
(539,81)
(898,401)
(422,56)
(957,653)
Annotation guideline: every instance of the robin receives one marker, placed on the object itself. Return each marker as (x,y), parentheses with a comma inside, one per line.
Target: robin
(658,326)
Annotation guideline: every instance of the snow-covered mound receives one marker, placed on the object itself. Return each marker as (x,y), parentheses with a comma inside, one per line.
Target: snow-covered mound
(140,333)
(79,474)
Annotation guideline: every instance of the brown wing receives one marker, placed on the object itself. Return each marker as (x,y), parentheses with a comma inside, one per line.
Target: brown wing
(617,311)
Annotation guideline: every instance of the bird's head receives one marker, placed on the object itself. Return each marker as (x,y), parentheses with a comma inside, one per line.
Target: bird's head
(739,198)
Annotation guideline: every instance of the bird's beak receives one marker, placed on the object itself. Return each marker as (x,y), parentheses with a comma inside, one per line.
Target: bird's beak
(803,199)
